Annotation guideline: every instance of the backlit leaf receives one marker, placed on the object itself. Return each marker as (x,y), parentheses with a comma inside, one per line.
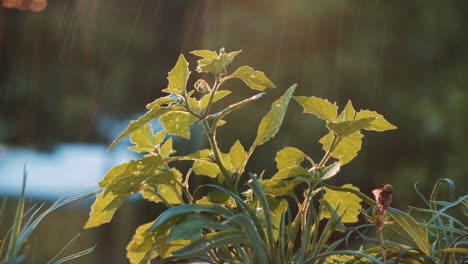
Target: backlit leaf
(347,149)
(346,128)
(288,157)
(206,168)
(178,123)
(346,201)
(254,79)
(271,123)
(143,139)
(120,183)
(348,113)
(379,124)
(322,108)
(237,155)
(136,124)
(178,77)
(166,149)
(206,98)
(213,64)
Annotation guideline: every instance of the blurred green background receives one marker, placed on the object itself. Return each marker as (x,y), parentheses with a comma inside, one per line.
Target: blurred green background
(68,69)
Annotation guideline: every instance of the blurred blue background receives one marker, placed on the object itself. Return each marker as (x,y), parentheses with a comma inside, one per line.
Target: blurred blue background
(73,75)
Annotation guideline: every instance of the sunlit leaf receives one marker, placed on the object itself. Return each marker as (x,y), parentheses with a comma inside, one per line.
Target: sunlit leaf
(206,168)
(143,139)
(159,137)
(330,171)
(289,157)
(379,124)
(136,124)
(254,79)
(178,77)
(178,123)
(140,249)
(166,149)
(120,183)
(203,103)
(346,128)
(237,155)
(271,123)
(164,182)
(348,113)
(214,64)
(346,201)
(322,108)
(347,149)
(218,197)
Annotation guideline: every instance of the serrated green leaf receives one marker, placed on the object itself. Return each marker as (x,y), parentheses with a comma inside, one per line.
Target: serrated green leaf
(205,53)
(271,123)
(120,183)
(237,155)
(143,139)
(347,149)
(140,248)
(379,124)
(348,113)
(203,103)
(213,64)
(104,208)
(226,159)
(178,123)
(163,182)
(289,172)
(289,157)
(136,124)
(346,128)
(159,137)
(346,201)
(166,149)
(322,108)
(178,77)
(206,168)
(254,79)
(204,153)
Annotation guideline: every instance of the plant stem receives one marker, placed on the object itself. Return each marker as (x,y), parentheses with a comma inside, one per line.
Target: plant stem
(211,133)
(335,141)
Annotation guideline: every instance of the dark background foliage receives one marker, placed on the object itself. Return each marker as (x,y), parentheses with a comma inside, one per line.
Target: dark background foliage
(65,69)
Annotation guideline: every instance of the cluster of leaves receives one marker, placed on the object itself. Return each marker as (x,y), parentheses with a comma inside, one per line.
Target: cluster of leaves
(235,223)
(14,245)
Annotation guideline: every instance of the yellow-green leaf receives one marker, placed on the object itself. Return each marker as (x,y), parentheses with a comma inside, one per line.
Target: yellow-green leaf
(164,183)
(136,124)
(178,123)
(254,79)
(214,64)
(203,103)
(237,155)
(346,128)
(143,139)
(288,157)
(347,149)
(103,208)
(166,149)
(379,124)
(159,137)
(322,108)
(271,123)
(178,77)
(343,201)
(348,113)
(206,168)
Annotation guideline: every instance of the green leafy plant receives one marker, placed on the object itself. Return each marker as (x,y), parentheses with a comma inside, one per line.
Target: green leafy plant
(231,221)
(13,246)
